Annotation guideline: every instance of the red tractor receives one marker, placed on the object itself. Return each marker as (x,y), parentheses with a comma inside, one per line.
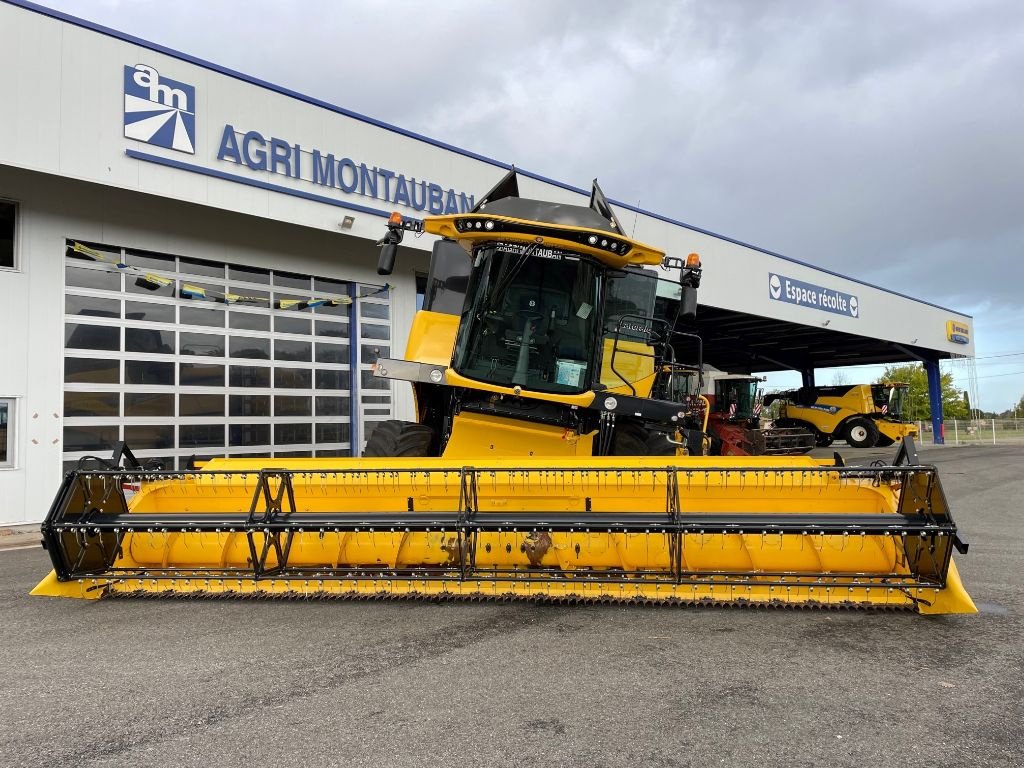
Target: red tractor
(734,422)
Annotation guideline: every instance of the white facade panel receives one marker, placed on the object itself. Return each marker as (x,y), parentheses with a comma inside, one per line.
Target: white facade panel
(737,278)
(36,87)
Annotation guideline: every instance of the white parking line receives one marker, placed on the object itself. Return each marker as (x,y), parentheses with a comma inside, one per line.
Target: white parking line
(24,546)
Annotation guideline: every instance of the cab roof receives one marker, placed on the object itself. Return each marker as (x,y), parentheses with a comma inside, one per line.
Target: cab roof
(549,213)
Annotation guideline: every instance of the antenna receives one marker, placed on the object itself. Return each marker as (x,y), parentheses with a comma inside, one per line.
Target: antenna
(636,217)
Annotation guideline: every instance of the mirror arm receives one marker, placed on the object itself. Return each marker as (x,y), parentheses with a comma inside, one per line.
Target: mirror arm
(397,225)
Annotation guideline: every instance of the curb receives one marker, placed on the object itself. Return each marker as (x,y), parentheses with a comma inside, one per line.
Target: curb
(18,537)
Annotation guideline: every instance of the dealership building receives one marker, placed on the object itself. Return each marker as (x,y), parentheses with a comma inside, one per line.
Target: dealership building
(188,264)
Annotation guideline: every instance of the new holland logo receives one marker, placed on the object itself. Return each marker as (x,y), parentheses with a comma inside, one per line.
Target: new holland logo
(957,332)
(158,110)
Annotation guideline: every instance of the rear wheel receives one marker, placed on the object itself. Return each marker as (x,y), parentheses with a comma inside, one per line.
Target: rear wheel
(399,438)
(861,432)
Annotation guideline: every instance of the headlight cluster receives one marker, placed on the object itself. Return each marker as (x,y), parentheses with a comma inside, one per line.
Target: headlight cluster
(465,225)
(604,242)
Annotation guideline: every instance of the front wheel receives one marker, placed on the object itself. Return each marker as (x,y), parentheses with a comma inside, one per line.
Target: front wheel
(629,439)
(399,438)
(632,438)
(658,445)
(861,432)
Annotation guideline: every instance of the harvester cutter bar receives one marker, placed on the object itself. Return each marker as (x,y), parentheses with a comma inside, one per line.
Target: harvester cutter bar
(783,440)
(561,600)
(483,577)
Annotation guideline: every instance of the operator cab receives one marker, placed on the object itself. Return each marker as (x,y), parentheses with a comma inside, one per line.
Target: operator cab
(735,397)
(530,320)
(890,399)
(536,319)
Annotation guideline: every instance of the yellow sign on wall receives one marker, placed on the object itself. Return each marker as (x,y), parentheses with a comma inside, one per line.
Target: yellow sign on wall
(957,332)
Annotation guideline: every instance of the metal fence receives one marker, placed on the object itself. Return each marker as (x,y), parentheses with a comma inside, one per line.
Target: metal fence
(976,431)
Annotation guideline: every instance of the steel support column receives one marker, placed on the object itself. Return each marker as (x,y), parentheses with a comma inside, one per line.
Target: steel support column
(808,377)
(931,367)
(354,376)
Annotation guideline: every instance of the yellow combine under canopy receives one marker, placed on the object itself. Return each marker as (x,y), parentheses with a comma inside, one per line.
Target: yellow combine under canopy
(761,531)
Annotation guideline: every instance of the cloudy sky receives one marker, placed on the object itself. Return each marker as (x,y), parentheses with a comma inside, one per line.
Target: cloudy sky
(884,140)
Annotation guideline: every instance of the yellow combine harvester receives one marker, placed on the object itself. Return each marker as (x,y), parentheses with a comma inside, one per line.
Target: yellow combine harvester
(865,415)
(552,459)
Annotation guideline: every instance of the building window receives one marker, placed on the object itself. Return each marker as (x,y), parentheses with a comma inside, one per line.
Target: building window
(8,222)
(6,432)
(176,375)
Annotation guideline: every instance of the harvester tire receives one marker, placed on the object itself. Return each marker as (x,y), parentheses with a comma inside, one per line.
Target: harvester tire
(634,439)
(822,440)
(861,432)
(630,439)
(658,445)
(399,438)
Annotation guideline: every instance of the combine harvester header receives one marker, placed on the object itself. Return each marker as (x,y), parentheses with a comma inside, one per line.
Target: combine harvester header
(549,462)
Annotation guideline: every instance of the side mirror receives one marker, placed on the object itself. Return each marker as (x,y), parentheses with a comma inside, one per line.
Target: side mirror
(397,224)
(689,302)
(386,261)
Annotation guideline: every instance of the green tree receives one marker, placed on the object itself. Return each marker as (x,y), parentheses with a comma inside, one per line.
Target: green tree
(954,402)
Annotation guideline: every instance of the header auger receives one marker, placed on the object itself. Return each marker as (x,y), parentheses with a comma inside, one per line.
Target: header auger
(555,457)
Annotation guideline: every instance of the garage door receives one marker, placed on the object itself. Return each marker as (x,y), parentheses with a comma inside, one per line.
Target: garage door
(181,357)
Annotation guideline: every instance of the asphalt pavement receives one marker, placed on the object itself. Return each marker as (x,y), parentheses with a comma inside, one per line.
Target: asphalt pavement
(263,683)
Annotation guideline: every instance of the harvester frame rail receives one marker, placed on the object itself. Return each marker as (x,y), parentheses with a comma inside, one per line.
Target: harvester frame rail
(86,526)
